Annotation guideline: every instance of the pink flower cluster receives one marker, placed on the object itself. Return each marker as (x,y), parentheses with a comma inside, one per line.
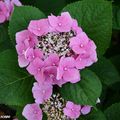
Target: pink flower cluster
(6,9)
(41,49)
(72,111)
(54,50)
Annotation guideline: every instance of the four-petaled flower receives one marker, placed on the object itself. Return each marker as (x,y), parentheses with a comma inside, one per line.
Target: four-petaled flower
(41,92)
(32,112)
(72,110)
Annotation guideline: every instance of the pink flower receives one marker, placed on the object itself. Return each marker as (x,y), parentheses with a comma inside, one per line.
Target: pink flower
(10,5)
(50,74)
(67,71)
(3,12)
(72,110)
(31,54)
(36,68)
(32,112)
(86,109)
(61,23)
(42,92)
(79,43)
(39,27)
(88,57)
(52,60)
(27,38)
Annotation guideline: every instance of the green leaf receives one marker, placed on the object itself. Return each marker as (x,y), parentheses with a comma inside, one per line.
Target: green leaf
(19,111)
(106,71)
(116,17)
(116,61)
(21,18)
(50,6)
(15,83)
(113,112)
(95,17)
(84,92)
(94,115)
(4,38)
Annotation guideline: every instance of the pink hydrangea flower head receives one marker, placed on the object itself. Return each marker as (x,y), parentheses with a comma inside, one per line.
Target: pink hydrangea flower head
(39,27)
(86,109)
(32,112)
(72,110)
(41,92)
(59,23)
(36,68)
(3,12)
(55,49)
(67,70)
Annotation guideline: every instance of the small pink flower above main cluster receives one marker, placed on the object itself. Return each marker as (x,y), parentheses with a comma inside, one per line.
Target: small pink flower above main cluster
(74,111)
(6,9)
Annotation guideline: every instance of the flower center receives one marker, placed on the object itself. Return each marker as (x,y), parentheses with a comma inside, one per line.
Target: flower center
(35,112)
(59,24)
(55,42)
(53,108)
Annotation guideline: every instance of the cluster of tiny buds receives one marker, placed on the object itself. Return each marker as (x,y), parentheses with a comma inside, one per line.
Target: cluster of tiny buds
(56,43)
(53,108)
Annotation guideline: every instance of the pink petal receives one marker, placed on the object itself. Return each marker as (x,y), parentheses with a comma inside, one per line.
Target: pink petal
(17,2)
(2,18)
(31,69)
(53,20)
(81,62)
(22,61)
(32,112)
(65,22)
(52,60)
(72,75)
(21,49)
(74,23)
(67,62)
(39,27)
(68,112)
(85,110)
(69,104)
(40,76)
